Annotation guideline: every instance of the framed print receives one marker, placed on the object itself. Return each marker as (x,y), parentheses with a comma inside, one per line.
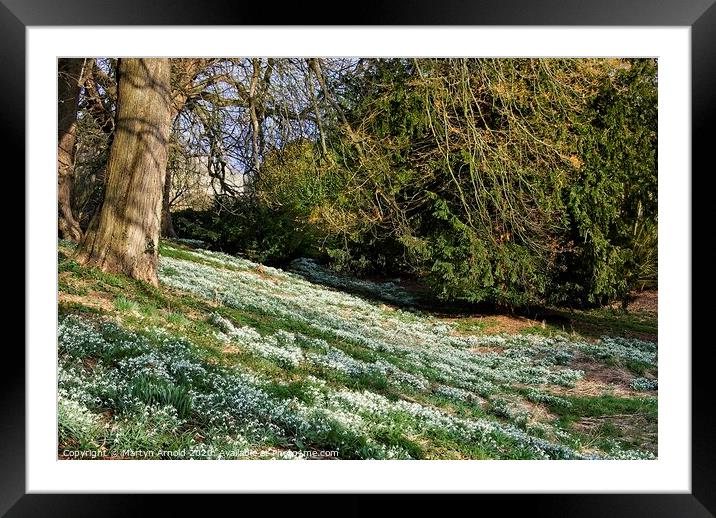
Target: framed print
(430,243)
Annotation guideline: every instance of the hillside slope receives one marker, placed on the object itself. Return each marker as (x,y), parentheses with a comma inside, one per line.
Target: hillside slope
(232,359)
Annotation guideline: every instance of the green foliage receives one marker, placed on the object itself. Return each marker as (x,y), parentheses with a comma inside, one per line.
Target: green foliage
(161,393)
(611,208)
(512,181)
(261,233)
(123,304)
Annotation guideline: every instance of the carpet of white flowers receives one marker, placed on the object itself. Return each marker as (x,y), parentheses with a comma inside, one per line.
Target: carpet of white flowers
(345,373)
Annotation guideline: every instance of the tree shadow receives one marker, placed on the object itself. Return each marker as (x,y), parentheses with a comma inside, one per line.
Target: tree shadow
(591,323)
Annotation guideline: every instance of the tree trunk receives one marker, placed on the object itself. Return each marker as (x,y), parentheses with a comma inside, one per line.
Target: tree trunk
(68,95)
(183,73)
(167,229)
(125,236)
(253,111)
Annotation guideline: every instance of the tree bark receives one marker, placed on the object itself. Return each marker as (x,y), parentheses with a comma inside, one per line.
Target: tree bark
(316,111)
(125,236)
(253,110)
(68,95)
(167,229)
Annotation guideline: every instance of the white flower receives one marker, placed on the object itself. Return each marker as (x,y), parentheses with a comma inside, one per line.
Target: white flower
(420,359)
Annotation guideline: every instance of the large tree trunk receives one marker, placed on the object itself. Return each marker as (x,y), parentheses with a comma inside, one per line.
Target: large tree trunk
(68,95)
(125,236)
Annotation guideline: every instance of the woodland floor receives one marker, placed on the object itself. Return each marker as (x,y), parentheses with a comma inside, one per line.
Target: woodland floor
(233,359)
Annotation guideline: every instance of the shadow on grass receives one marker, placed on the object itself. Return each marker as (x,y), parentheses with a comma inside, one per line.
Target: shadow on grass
(605,321)
(590,323)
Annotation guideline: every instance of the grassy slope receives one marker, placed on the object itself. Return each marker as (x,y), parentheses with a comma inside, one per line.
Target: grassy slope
(394,387)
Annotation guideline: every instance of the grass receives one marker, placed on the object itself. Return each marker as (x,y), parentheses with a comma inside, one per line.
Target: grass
(177,251)
(609,422)
(551,322)
(121,303)
(400,424)
(581,407)
(598,322)
(471,325)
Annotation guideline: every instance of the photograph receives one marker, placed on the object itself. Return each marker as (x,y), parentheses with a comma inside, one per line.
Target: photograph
(435,246)
(357,258)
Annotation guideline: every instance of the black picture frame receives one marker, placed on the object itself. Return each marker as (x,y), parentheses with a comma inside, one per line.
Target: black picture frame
(700,15)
